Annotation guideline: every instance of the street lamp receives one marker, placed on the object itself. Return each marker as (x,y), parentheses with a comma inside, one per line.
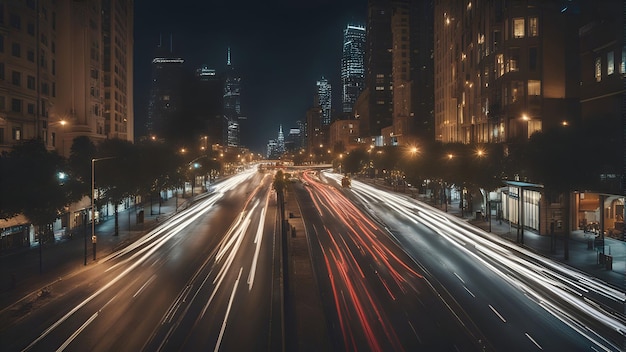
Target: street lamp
(93,208)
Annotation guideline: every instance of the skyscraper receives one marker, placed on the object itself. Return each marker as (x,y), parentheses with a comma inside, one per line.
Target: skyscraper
(378,76)
(323,100)
(165,91)
(352,65)
(117,35)
(232,103)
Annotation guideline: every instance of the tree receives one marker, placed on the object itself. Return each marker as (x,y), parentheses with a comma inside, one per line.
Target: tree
(38,193)
(79,168)
(355,161)
(111,175)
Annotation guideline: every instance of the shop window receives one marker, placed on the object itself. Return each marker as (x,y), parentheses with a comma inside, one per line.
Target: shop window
(610,63)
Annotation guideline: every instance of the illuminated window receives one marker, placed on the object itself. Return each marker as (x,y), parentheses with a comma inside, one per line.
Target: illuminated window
(380,88)
(534,88)
(610,63)
(513,60)
(533,27)
(533,126)
(518,27)
(499,65)
(598,73)
(622,66)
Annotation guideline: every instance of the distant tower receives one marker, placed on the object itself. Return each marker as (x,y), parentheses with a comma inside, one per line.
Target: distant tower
(281,140)
(232,103)
(352,65)
(324,99)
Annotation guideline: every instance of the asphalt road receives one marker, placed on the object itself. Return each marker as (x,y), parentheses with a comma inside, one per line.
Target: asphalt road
(375,295)
(516,299)
(199,281)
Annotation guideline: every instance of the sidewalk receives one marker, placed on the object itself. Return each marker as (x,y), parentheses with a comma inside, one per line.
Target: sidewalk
(20,268)
(582,255)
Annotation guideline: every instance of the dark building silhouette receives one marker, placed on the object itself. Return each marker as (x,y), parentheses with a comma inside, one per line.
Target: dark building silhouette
(165,101)
(378,76)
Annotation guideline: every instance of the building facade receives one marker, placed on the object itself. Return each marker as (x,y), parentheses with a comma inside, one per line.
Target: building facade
(165,101)
(352,65)
(499,69)
(378,75)
(232,103)
(324,100)
(55,68)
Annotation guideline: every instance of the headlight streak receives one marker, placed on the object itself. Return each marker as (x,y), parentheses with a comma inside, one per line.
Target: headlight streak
(553,277)
(148,251)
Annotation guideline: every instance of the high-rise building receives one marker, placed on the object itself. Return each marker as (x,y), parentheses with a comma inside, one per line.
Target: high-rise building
(165,101)
(280,140)
(324,101)
(117,65)
(352,65)
(205,106)
(232,103)
(378,78)
(63,81)
(503,69)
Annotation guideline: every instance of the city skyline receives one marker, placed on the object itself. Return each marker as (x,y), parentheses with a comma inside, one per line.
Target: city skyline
(278,66)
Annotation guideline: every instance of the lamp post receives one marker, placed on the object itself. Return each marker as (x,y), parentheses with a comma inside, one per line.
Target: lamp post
(93,208)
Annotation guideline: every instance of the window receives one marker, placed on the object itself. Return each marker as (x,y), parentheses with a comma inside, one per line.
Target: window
(610,63)
(1,43)
(517,91)
(513,62)
(16,78)
(30,55)
(30,28)
(1,135)
(16,105)
(45,88)
(518,28)
(598,72)
(533,27)
(17,133)
(30,108)
(622,65)
(499,65)
(534,87)
(15,20)
(16,50)
(1,71)
(2,103)
(532,58)
(533,126)
(30,82)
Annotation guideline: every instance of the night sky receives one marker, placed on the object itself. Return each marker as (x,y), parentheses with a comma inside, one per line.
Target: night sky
(280,48)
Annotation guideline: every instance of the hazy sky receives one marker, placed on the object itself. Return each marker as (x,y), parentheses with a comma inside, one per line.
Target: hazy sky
(279,47)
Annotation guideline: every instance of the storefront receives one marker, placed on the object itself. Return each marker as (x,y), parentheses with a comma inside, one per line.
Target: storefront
(521,204)
(600,213)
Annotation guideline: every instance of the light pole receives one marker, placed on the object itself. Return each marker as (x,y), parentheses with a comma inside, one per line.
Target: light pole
(93,208)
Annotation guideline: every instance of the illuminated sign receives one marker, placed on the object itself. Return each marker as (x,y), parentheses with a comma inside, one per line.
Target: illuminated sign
(162,60)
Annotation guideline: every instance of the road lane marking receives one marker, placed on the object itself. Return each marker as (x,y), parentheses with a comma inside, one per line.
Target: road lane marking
(498,314)
(144,286)
(77,332)
(533,340)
